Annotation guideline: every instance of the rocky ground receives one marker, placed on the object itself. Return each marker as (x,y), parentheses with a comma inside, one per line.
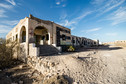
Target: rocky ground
(20,74)
(103,65)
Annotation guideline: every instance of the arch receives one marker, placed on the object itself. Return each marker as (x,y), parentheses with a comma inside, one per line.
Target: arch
(41,35)
(23,34)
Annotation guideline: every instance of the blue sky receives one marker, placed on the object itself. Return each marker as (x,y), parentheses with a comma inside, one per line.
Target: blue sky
(96,19)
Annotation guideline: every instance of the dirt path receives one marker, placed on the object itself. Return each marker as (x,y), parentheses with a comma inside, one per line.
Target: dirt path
(98,66)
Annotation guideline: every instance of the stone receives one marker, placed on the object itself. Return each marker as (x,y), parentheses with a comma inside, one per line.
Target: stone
(52,64)
(94,52)
(20,82)
(14,83)
(35,73)
(29,75)
(75,83)
(21,66)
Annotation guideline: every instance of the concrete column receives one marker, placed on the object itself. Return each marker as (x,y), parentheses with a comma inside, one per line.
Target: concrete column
(27,37)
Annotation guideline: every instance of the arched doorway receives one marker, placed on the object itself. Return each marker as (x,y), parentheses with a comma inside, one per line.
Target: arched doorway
(41,36)
(23,34)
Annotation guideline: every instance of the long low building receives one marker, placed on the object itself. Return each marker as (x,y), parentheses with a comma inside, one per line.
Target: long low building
(33,34)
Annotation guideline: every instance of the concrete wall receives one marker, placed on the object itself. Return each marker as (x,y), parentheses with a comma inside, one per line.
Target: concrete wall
(16,31)
(84,41)
(33,24)
(33,51)
(62,42)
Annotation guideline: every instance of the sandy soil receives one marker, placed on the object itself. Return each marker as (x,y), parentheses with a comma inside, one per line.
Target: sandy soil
(103,65)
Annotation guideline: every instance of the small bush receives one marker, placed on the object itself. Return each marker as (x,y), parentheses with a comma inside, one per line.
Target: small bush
(71,49)
(6,53)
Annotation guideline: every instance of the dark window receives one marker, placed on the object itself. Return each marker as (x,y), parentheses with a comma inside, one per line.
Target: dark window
(24,36)
(63,37)
(47,36)
(68,37)
(66,31)
(43,37)
(73,41)
(60,36)
(16,37)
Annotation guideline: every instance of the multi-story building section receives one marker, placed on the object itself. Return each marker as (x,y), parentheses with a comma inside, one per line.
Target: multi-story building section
(35,36)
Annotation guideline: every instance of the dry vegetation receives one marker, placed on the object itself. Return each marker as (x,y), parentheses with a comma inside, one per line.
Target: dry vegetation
(6,54)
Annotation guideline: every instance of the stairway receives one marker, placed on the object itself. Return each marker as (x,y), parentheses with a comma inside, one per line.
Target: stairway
(45,50)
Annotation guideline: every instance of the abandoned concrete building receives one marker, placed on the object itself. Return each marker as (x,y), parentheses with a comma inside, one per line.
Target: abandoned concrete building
(37,37)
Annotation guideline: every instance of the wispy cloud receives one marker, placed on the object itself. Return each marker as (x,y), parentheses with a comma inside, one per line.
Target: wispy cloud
(60,3)
(114,4)
(63,15)
(11,2)
(104,6)
(83,15)
(91,30)
(72,23)
(95,34)
(64,5)
(4,28)
(119,16)
(5,6)
(97,2)
(11,23)
(111,34)
(2,13)
(6,25)
(4,31)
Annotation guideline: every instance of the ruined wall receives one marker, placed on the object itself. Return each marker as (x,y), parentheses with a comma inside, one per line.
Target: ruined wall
(43,65)
(117,43)
(15,36)
(35,22)
(33,51)
(120,43)
(62,32)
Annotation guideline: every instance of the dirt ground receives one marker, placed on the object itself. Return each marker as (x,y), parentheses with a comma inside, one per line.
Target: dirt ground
(20,74)
(103,65)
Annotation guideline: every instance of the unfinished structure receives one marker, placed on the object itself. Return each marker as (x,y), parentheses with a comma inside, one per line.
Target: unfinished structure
(37,37)
(117,43)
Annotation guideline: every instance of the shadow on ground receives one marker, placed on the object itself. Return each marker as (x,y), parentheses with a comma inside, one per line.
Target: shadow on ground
(82,49)
(16,74)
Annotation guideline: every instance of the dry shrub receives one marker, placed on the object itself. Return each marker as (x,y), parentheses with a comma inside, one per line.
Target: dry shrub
(71,49)
(6,52)
(56,80)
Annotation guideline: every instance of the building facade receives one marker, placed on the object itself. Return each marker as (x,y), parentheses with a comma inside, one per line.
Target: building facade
(31,32)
